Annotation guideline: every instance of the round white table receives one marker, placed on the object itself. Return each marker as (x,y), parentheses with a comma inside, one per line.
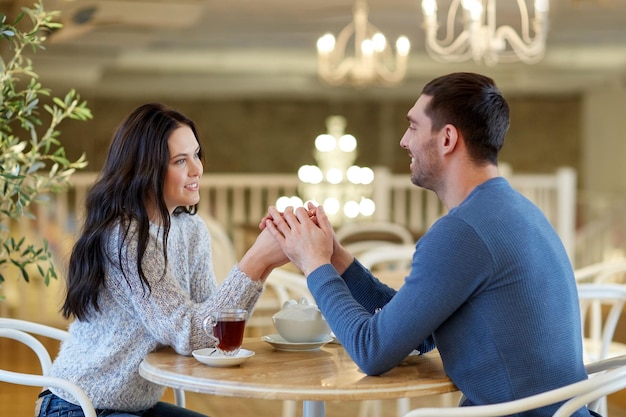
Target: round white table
(309,376)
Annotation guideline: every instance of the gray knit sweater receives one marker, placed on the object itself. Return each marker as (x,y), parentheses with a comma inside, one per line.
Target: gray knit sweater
(103,354)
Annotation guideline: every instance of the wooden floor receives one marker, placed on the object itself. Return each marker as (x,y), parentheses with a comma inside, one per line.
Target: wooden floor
(16,400)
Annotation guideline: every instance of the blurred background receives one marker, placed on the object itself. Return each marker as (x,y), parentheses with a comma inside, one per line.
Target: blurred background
(249,73)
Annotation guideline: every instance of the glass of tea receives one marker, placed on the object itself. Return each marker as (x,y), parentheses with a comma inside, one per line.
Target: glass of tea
(226,328)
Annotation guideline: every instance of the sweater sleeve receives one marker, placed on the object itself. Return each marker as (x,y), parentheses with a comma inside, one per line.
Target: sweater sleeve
(435,288)
(374,294)
(167,310)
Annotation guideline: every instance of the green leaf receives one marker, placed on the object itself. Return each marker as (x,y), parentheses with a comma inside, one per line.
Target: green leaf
(36,167)
(59,102)
(24,275)
(19,18)
(32,157)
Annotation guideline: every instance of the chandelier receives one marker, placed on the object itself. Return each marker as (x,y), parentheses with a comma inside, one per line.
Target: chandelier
(372,61)
(341,187)
(480,39)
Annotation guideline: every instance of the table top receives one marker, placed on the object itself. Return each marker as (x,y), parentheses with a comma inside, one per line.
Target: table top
(325,374)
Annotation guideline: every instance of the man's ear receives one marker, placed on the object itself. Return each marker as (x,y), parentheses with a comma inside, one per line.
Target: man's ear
(450,138)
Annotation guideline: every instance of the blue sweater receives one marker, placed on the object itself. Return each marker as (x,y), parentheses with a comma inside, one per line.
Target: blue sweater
(490,286)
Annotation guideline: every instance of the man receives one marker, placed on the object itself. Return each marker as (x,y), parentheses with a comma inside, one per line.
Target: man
(490,286)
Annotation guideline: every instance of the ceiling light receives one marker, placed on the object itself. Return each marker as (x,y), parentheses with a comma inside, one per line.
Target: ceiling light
(372,61)
(480,39)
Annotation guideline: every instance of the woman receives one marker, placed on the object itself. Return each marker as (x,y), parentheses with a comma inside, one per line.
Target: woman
(140,275)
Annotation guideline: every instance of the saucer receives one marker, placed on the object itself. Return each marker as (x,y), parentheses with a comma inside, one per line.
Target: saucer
(209,356)
(280,343)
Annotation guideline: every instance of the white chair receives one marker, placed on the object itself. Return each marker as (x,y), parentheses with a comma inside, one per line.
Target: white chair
(598,324)
(389,256)
(390,263)
(288,285)
(601,307)
(603,272)
(222,248)
(605,377)
(607,272)
(22,331)
(16,330)
(362,236)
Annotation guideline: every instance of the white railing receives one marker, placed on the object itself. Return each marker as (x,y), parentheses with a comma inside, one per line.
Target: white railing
(239,201)
(556,195)
(399,201)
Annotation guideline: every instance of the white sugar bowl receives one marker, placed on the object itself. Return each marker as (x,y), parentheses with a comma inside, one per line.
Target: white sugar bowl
(300,322)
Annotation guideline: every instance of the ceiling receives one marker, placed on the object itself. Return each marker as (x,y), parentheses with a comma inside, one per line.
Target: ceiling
(266,48)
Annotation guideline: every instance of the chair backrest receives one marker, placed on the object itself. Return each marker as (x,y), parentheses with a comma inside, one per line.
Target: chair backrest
(34,328)
(22,331)
(374,230)
(599,325)
(288,285)
(605,378)
(388,256)
(36,346)
(358,248)
(389,263)
(223,250)
(601,307)
(603,272)
(19,330)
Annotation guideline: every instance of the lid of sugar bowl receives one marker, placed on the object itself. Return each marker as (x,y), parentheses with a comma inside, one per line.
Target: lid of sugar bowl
(299,310)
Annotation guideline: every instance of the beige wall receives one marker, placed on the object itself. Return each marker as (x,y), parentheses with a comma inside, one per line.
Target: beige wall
(604,145)
(277,135)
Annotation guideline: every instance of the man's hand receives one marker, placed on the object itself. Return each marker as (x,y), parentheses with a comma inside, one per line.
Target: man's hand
(305,236)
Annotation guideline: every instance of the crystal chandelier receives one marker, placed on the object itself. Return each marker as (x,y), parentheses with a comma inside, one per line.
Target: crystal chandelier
(342,188)
(373,60)
(480,39)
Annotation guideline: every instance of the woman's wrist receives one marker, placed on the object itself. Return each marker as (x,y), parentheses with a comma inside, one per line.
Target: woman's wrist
(254,268)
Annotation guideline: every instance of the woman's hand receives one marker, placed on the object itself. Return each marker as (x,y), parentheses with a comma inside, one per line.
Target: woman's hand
(264,255)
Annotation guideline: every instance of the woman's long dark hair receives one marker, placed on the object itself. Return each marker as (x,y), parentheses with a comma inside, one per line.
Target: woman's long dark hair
(133,174)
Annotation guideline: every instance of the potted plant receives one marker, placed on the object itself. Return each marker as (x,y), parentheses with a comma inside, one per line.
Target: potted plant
(32,159)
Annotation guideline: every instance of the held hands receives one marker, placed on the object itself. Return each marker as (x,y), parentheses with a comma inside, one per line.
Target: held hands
(305,236)
(264,255)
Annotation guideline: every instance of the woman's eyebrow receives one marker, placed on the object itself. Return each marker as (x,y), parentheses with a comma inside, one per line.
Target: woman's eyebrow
(185,153)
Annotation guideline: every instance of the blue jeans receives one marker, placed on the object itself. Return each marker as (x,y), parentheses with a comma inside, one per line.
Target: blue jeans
(49,405)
